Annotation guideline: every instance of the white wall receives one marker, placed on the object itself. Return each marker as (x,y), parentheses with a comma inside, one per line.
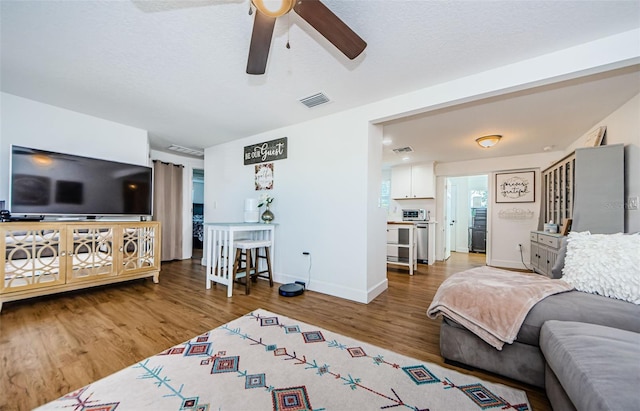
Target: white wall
(376,273)
(324,190)
(37,125)
(189,164)
(323,203)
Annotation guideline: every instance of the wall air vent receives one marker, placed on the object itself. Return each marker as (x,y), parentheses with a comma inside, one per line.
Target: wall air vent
(403,150)
(315,100)
(186,150)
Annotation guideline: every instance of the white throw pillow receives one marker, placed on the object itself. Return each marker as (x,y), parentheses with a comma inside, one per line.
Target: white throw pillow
(605,264)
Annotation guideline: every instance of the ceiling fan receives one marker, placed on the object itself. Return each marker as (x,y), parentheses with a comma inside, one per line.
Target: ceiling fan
(313,12)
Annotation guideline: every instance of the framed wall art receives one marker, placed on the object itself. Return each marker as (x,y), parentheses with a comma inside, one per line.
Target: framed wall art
(594,137)
(517,187)
(566,226)
(264,176)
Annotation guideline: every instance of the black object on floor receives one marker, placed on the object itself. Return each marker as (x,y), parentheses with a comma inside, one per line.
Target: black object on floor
(291,290)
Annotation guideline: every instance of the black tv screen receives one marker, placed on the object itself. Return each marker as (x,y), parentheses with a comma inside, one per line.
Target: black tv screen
(49,183)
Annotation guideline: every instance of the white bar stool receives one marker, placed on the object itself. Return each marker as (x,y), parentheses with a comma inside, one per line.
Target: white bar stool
(244,254)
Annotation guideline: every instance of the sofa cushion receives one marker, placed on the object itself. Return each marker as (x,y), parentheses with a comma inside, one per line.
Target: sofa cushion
(521,362)
(555,393)
(604,264)
(581,307)
(597,366)
(556,270)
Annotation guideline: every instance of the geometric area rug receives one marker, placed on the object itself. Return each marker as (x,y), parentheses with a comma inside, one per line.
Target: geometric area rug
(266,361)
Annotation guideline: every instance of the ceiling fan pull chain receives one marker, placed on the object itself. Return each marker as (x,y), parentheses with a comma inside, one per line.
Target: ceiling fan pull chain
(288,46)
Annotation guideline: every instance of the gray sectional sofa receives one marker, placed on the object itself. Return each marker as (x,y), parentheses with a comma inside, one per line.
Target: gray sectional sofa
(524,360)
(584,349)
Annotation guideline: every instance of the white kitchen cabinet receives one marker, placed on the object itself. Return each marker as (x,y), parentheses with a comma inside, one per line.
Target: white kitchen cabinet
(414,181)
(401,182)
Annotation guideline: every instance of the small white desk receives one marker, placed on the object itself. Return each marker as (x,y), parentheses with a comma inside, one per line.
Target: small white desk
(219,238)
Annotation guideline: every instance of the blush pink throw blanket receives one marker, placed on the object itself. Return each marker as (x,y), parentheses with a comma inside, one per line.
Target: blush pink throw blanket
(492,303)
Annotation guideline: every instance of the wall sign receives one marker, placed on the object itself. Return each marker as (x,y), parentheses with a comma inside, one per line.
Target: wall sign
(516,187)
(265,152)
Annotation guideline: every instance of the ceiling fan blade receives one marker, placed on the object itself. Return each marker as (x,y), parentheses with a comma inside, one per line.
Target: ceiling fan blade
(260,43)
(331,27)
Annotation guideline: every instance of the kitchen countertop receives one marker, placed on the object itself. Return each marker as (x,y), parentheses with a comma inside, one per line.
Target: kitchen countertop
(412,222)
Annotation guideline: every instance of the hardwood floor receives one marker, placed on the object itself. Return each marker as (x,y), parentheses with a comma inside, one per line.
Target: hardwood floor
(52,345)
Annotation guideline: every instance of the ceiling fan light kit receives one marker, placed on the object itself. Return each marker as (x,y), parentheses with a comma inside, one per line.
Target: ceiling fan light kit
(274,8)
(488,141)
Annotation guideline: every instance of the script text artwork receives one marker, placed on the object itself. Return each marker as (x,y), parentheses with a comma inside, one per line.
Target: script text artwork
(266,152)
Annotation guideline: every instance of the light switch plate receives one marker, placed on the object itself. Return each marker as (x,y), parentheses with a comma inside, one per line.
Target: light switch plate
(632,203)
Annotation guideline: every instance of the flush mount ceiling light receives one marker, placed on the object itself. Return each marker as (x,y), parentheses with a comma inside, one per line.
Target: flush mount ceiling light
(488,141)
(274,8)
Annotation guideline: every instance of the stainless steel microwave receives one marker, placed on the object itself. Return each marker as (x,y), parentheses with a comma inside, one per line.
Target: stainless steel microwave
(414,214)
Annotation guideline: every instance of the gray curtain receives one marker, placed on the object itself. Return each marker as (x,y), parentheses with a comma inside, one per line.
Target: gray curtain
(167,207)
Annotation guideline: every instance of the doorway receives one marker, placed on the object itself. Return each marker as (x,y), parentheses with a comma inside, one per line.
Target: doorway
(466,214)
(197,210)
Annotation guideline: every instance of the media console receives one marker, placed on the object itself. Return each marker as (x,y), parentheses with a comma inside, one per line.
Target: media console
(40,258)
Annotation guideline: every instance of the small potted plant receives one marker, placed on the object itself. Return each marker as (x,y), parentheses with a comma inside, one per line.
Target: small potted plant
(267,215)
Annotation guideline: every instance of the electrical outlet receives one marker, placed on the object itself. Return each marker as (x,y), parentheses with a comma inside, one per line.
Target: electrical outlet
(632,203)
(518,247)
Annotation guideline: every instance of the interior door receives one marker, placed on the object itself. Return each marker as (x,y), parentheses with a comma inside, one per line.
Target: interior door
(447,213)
(453,218)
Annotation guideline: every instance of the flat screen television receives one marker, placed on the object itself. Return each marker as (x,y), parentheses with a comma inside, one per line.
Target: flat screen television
(46,183)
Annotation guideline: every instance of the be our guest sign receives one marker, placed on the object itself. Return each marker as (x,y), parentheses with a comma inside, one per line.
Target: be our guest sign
(266,152)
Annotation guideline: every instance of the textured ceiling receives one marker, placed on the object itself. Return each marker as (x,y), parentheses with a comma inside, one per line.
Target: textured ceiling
(177,68)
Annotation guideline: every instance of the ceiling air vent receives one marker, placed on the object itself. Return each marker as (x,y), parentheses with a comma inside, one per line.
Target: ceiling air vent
(186,150)
(403,150)
(315,100)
